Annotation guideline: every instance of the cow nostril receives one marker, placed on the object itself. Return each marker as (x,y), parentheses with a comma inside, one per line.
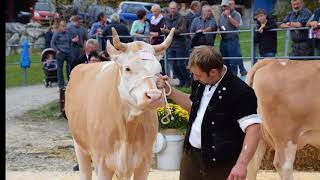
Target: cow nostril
(146,94)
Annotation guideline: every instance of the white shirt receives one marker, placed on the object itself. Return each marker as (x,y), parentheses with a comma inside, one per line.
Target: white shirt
(195,134)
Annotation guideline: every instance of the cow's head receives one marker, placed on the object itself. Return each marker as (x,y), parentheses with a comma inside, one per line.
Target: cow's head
(139,66)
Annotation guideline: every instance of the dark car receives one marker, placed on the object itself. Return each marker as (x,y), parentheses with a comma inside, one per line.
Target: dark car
(127,10)
(24,17)
(43,12)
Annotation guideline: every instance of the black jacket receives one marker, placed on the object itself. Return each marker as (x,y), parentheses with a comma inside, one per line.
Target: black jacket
(221,135)
(82,59)
(122,30)
(267,40)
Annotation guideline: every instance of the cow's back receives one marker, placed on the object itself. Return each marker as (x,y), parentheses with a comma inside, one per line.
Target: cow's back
(288,96)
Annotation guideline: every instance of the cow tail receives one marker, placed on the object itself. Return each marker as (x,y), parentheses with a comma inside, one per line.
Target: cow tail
(255,68)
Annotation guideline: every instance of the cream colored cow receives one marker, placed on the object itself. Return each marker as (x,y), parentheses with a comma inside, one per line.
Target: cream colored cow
(110,108)
(288,94)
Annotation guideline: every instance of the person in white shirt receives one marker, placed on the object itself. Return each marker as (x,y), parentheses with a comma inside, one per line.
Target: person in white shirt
(224,127)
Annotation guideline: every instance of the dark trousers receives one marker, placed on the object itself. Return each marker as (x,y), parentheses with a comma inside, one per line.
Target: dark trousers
(61,57)
(303,48)
(179,66)
(231,48)
(192,167)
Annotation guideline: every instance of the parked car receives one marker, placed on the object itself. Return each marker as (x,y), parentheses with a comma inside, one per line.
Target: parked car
(43,11)
(127,10)
(24,17)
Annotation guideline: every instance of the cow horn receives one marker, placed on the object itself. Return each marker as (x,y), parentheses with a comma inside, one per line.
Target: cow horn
(165,44)
(116,41)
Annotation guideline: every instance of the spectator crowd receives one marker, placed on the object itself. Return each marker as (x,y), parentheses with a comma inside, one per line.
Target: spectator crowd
(74,44)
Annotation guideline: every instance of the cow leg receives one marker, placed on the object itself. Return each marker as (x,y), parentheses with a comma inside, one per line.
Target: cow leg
(103,172)
(284,159)
(255,163)
(142,171)
(84,161)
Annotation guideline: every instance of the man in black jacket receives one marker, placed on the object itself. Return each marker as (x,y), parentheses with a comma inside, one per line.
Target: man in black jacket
(266,39)
(121,29)
(90,46)
(224,127)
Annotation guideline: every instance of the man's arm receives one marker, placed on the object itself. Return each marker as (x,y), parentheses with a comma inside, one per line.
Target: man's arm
(234,21)
(250,143)
(182,99)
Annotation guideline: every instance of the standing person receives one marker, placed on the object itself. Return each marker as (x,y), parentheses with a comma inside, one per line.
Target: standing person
(201,24)
(140,27)
(266,39)
(48,36)
(230,45)
(61,42)
(157,21)
(298,17)
(121,29)
(97,29)
(79,36)
(178,45)
(90,46)
(314,23)
(224,128)
(195,11)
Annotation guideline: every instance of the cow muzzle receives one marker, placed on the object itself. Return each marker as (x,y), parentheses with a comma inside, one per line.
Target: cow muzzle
(153,98)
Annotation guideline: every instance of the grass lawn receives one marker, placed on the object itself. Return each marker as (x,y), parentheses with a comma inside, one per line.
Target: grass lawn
(50,111)
(15,74)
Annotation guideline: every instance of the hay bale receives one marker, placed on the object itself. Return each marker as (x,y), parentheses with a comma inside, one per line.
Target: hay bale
(307,159)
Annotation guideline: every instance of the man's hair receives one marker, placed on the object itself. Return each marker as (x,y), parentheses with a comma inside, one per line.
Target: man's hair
(156,6)
(260,11)
(194,4)
(93,54)
(100,16)
(206,6)
(141,13)
(115,18)
(206,58)
(91,42)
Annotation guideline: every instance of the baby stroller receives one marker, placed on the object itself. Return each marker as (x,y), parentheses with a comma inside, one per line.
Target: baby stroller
(49,66)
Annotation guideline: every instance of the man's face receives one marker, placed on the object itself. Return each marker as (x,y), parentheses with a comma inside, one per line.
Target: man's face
(91,47)
(173,9)
(76,23)
(206,12)
(232,5)
(296,5)
(261,18)
(203,77)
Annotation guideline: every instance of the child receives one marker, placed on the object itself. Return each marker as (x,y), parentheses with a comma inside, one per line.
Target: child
(49,61)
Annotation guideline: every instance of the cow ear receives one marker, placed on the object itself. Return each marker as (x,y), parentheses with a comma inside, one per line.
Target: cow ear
(112,51)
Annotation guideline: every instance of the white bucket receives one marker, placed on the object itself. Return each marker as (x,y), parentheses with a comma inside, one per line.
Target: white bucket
(169,157)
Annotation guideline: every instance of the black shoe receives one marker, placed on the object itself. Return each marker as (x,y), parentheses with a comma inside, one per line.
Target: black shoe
(76,167)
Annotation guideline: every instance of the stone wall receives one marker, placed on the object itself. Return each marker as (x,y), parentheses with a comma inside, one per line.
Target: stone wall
(17,32)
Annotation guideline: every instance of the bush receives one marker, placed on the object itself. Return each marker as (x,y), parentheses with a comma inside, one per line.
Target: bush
(177,120)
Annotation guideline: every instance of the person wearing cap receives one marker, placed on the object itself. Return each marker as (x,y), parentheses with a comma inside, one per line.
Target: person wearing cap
(79,36)
(298,17)
(230,46)
(267,40)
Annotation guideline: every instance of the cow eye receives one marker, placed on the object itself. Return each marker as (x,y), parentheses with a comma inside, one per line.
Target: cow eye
(127,69)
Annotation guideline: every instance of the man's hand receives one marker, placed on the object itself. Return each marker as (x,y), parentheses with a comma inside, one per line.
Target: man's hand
(261,28)
(285,25)
(313,24)
(238,172)
(76,39)
(161,82)
(165,30)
